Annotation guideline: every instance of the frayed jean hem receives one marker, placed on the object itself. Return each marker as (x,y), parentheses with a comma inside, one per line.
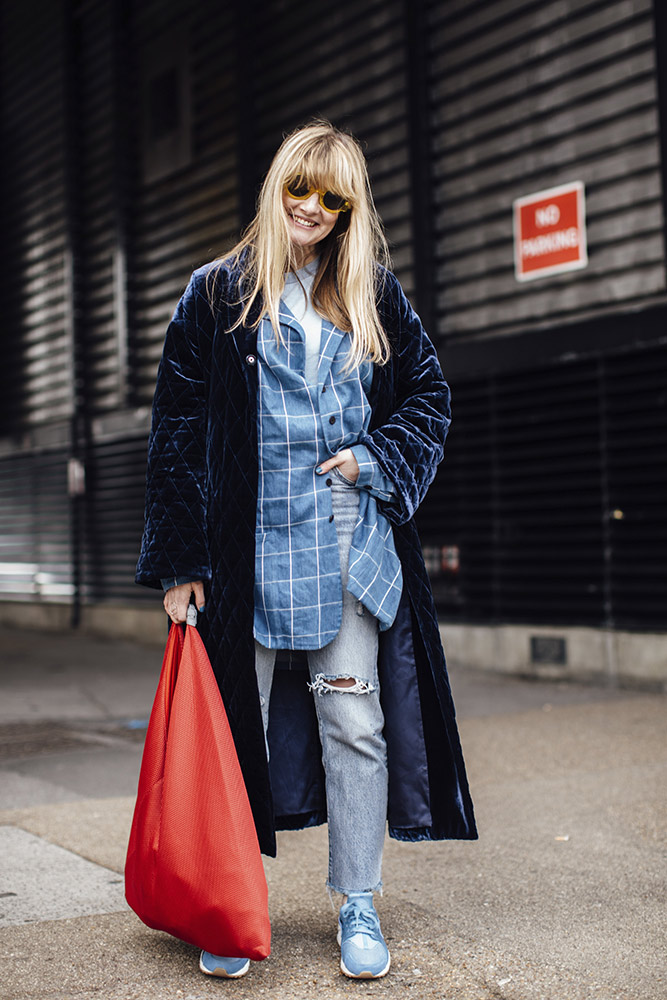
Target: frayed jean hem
(331,889)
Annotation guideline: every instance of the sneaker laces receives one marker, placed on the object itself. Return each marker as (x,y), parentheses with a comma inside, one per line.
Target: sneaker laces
(361,921)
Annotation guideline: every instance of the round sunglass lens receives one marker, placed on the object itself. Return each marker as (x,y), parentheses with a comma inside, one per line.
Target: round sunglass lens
(333,201)
(298,188)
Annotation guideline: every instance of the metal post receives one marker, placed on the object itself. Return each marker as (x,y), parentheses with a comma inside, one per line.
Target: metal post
(74,319)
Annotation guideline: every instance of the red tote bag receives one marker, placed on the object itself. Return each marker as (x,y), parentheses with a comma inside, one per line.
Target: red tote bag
(194,867)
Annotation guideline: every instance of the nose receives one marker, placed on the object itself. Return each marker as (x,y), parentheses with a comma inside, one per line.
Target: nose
(312,203)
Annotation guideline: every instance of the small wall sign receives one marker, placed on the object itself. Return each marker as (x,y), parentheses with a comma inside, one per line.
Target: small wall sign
(548,649)
(550,232)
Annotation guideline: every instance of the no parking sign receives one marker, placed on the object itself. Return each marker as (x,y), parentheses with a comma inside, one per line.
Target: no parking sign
(550,232)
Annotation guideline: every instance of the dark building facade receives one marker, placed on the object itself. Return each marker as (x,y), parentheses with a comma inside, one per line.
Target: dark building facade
(135,135)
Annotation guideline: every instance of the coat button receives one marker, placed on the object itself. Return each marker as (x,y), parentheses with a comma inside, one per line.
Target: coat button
(250,358)
(330,518)
(332,420)
(324,388)
(329,482)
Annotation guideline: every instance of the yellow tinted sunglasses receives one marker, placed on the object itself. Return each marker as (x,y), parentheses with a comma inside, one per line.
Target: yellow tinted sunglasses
(300,189)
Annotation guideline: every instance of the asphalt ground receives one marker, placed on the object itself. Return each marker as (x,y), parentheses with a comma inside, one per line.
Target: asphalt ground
(562,897)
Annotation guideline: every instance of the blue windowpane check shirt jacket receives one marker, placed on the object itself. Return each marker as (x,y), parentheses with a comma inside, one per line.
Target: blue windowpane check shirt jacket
(298,587)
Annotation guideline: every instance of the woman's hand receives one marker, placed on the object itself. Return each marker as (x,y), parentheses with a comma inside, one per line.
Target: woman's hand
(345,461)
(176,599)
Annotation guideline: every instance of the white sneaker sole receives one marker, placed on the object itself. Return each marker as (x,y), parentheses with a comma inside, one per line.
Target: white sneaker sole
(221,974)
(366,974)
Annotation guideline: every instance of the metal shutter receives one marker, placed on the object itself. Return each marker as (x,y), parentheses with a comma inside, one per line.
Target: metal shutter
(114,521)
(191,215)
(554,490)
(526,96)
(36,378)
(35,552)
(99,158)
(636,487)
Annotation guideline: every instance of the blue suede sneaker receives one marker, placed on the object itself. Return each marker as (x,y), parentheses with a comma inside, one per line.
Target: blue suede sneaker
(363,951)
(225,968)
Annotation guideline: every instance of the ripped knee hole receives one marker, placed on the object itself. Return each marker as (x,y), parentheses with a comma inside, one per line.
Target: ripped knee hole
(342,685)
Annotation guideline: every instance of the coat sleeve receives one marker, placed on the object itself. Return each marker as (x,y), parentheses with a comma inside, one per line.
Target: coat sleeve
(411,441)
(174,542)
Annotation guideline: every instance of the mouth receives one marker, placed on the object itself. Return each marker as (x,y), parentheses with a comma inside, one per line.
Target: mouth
(303,222)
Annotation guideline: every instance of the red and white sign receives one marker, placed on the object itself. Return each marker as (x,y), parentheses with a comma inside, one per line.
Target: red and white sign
(550,232)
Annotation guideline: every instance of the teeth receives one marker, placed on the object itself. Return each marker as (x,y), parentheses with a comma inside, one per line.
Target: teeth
(302,222)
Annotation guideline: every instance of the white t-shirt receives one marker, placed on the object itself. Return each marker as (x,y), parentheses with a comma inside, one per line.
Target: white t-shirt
(305,314)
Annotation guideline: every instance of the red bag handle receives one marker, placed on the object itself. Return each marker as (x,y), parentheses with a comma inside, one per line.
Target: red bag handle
(174,648)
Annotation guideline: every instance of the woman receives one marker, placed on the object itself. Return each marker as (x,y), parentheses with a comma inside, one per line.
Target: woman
(299,417)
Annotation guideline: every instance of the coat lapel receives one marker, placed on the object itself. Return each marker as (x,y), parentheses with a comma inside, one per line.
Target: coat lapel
(244,339)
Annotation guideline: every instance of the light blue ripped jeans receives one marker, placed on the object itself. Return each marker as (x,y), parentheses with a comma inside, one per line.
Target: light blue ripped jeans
(354,753)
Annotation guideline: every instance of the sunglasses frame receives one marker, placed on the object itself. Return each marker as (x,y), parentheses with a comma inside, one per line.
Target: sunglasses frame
(332,211)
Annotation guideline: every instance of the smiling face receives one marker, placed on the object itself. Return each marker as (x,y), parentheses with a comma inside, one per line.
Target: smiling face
(308,223)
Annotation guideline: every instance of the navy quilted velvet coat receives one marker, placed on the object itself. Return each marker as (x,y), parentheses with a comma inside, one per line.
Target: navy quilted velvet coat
(200,523)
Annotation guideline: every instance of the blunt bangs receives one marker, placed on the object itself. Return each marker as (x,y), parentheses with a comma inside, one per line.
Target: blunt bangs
(323,166)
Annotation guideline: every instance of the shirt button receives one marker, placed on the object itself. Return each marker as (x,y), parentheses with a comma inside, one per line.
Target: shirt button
(250,358)
(332,420)
(330,518)
(329,482)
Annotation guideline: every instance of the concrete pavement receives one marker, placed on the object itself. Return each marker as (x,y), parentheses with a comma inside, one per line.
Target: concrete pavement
(562,898)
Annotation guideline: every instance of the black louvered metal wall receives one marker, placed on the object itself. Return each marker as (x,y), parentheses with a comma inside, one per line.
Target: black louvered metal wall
(98,164)
(116,476)
(550,504)
(35,564)
(36,377)
(537,498)
(526,95)
(635,482)
(519,495)
(37,373)
(191,215)
(553,494)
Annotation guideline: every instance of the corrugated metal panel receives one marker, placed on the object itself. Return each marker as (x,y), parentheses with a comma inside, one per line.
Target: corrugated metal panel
(527,96)
(348,64)
(35,528)
(554,490)
(636,487)
(116,478)
(520,495)
(190,216)
(97,162)
(37,375)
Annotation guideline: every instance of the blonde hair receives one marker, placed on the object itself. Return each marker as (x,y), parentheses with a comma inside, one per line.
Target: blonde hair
(345,286)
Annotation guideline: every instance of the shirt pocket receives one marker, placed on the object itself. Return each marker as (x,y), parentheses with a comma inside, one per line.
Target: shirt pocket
(343,479)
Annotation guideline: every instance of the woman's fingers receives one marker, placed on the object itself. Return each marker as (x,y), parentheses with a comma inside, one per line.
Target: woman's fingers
(176,599)
(176,602)
(350,468)
(345,461)
(198,588)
